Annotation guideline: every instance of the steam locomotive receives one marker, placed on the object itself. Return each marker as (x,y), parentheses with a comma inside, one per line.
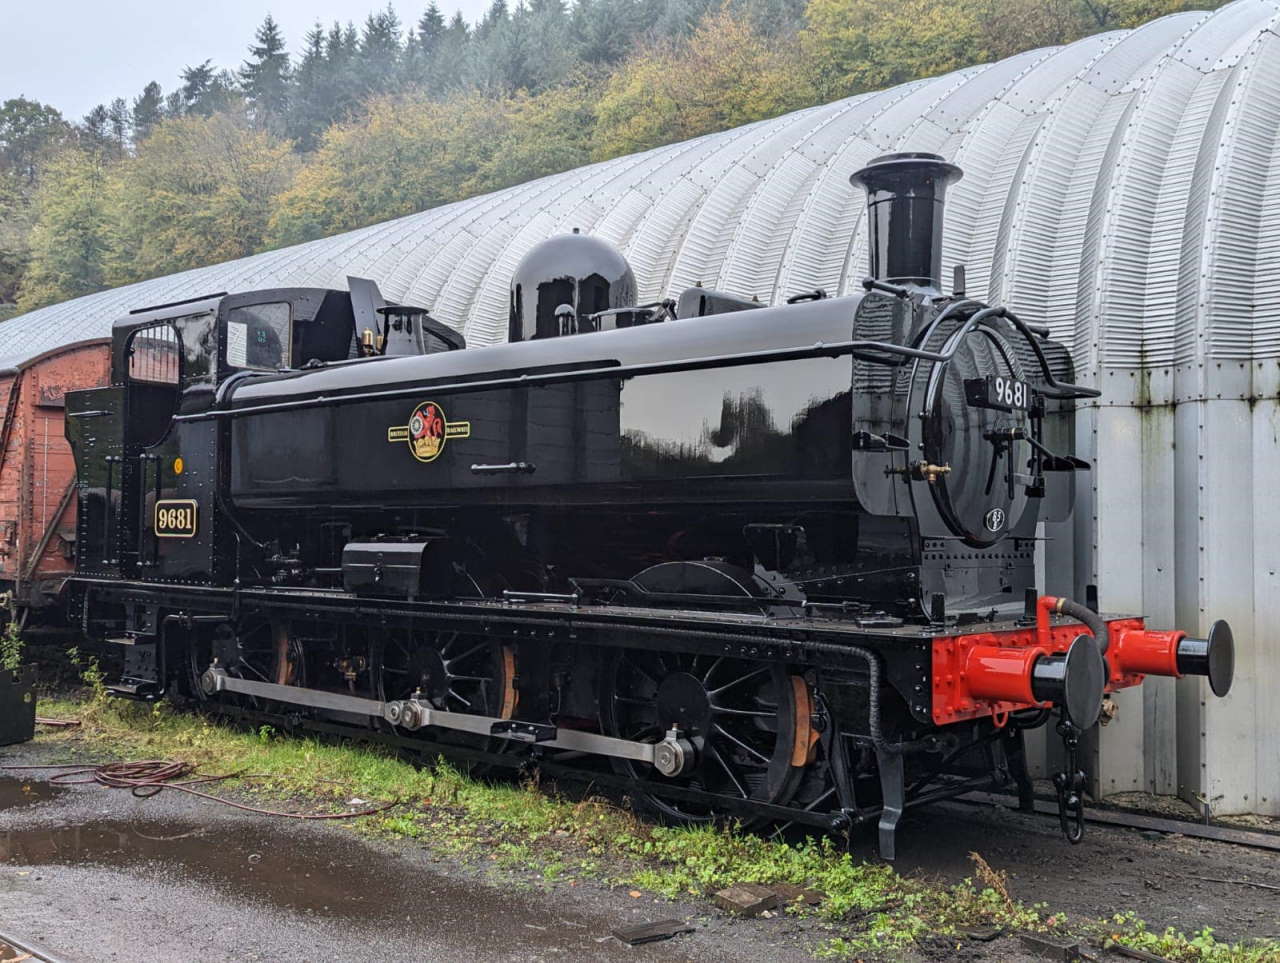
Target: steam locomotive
(773,562)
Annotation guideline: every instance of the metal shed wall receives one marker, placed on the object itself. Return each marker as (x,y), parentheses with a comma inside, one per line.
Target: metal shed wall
(1124,189)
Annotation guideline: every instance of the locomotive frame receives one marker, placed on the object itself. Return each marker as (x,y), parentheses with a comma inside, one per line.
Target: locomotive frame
(774,562)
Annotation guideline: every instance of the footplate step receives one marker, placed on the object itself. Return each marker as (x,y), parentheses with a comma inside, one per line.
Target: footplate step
(523,731)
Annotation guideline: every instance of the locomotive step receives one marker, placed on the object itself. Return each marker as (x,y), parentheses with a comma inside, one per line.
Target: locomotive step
(523,731)
(126,640)
(133,690)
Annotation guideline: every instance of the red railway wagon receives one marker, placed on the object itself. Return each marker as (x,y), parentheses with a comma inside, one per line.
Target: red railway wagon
(37,472)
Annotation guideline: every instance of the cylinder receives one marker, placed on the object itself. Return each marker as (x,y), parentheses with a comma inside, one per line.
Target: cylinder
(905,200)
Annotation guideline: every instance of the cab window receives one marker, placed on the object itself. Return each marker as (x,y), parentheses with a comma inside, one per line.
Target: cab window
(154,355)
(155,368)
(260,336)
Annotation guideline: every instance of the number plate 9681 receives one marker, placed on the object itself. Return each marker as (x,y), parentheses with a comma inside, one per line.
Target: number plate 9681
(176,518)
(997,391)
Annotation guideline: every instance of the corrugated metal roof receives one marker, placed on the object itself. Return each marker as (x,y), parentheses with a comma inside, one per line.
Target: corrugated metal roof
(1103,180)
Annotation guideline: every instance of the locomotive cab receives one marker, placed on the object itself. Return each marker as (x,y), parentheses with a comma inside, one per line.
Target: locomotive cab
(147,478)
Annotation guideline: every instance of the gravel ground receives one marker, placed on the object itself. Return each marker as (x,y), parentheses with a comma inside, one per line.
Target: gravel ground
(96,874)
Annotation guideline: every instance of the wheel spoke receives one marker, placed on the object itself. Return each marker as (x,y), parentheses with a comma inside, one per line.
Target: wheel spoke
(711,671)
(251,668)
(641,669)
(739,681)
(464,701)
(740,744)
(715,754)
(465,655)
(758,713)
(631,700)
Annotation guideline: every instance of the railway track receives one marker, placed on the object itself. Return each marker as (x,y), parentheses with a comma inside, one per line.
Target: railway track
(14,949)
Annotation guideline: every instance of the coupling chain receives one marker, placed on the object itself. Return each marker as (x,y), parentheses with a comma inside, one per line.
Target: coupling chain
(1070,785)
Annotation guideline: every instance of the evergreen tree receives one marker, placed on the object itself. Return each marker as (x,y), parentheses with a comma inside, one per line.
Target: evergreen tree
(264,77)
(450,65)
(379,52)
(174,105)
(430,29)
(204,91)
(604,30)
(421,46)
(119,122)
(94,128)
(550,59)
(197,89)
(494,18)
(148,110)
(309,106)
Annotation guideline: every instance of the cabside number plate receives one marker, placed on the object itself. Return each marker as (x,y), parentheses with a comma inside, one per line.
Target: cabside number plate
(996,391)
(176,518)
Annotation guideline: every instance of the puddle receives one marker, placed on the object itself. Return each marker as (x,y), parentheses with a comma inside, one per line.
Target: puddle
(22,792)
(318,875)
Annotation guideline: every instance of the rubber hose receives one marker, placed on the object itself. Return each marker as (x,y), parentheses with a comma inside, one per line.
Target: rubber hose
(1090,618)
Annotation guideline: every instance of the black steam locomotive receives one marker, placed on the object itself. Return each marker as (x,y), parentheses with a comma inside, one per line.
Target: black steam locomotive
(776,562)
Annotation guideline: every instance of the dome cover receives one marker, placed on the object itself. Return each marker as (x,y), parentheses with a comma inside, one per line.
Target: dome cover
(565,280)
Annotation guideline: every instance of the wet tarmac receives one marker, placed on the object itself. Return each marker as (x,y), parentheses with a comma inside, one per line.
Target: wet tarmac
(26,792)
(97,874)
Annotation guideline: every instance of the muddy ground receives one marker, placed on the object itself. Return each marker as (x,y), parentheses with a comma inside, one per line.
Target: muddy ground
(96,874)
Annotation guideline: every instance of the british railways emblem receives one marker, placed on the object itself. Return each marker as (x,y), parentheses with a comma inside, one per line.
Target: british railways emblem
(428,430)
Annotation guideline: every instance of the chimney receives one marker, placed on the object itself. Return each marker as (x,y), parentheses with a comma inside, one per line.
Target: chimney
(905,194)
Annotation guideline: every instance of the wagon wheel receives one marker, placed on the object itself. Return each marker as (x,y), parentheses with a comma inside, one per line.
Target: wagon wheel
(748,721)
(453,672)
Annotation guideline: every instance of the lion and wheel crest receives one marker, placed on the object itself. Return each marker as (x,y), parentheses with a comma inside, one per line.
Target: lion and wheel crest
(427,431)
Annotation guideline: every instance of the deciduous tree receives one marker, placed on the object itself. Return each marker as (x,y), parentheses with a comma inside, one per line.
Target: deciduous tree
(28,131)
(722,76)
(70,241)
(199,191)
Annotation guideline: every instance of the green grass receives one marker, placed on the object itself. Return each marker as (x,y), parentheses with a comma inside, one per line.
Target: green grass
(868,908)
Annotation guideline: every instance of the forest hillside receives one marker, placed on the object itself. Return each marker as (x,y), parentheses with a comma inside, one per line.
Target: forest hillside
(358,124)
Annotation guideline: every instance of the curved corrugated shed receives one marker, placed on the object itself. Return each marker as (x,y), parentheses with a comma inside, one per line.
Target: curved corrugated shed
(1124,189)
(1080,162)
